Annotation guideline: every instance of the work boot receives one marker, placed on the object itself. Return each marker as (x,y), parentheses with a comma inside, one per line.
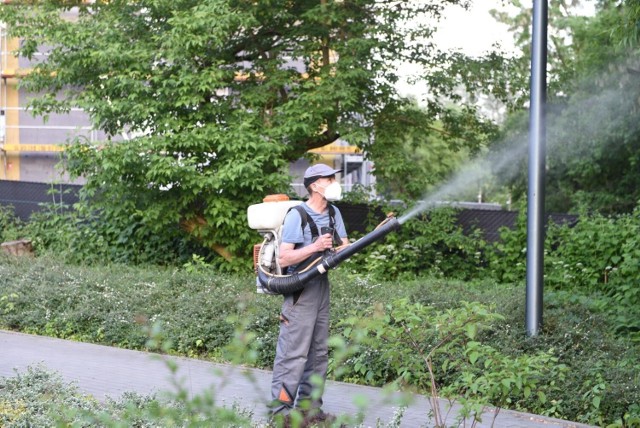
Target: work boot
(295,419)
(317,418)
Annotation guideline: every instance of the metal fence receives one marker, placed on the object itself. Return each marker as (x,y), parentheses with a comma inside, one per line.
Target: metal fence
(28,197)
(488,221)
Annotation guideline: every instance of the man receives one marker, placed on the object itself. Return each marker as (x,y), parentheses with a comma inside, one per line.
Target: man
(302,350)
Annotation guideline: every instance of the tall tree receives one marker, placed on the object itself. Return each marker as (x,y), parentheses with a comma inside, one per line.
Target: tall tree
(593,134)
(215,97)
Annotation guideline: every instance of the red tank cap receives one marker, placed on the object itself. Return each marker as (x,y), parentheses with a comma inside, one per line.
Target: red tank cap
(276,198)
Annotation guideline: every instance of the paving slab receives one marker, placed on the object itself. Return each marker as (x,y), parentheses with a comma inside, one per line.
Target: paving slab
(104,371)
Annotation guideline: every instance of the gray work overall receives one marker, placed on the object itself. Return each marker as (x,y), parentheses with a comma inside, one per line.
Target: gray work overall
(302,350)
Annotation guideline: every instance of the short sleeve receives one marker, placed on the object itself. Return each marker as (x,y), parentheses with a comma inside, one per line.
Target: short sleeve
(339,226)
(292,228)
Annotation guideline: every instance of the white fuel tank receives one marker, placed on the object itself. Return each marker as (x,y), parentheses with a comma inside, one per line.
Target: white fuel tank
(269,214)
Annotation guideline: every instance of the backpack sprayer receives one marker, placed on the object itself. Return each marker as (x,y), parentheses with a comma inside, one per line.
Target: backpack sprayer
(267,219)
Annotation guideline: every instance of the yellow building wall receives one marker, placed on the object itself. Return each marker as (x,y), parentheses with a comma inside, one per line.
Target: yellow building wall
(10,101)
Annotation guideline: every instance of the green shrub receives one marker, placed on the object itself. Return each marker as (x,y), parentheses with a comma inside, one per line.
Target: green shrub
(199,311)
(82,237)
(10,225)
(506,258)
(425,245)
(113,304)
(421,346)
(39,398)
(577,335)
(598,254)
(604,383)
(589,254)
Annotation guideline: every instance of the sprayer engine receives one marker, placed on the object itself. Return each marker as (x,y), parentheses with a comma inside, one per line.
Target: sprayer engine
(267,218)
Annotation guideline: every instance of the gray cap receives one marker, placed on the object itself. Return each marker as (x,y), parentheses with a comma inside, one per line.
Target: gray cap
(317,171)
(320,170)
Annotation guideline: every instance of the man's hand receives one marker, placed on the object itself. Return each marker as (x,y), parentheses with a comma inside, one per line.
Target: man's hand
(324,242)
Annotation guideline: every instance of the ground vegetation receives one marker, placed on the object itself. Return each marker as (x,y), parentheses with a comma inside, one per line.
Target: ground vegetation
(582,366)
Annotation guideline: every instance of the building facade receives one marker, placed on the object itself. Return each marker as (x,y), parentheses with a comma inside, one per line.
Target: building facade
(31,147)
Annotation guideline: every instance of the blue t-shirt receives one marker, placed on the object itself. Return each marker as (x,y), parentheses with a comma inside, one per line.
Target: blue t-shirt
(292,227)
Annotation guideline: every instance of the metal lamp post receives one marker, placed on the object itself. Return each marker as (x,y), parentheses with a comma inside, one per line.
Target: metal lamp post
(537,144)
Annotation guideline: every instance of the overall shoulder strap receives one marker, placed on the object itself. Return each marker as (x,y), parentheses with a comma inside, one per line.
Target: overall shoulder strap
(332,215)
(332,221)
(306,219)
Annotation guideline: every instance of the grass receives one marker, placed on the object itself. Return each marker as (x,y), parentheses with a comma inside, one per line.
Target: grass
(199,310)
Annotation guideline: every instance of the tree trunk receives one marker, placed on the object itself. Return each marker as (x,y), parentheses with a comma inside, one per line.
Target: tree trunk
(21,247)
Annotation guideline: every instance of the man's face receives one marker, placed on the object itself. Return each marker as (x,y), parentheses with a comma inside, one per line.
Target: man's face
(323,182)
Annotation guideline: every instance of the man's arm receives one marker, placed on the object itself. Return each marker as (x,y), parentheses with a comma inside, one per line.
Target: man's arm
(290,256)
(345,244)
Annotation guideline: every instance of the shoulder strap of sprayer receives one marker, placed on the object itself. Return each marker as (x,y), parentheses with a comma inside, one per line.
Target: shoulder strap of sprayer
(306,219)
(332,222)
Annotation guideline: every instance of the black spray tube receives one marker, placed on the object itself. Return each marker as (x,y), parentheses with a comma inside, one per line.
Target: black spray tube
(287,284)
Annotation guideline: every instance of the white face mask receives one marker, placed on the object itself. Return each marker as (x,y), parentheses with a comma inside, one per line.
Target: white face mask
(332,192)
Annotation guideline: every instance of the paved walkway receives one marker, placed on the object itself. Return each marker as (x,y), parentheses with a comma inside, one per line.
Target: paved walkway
(105,371)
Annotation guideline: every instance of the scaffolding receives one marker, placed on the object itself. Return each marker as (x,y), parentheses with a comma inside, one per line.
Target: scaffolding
(29,146)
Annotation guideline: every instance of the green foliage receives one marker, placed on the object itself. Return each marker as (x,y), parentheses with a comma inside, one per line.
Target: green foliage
(488,375)
(210,315)
(114,304)
(599,254)
(413,152)
(592,138)
(205,104)
(564,20)
(580,334)
(428,244)
(587,254)
(506,258)
(39,398)
(358,194)
(410,343)
(80,237)
(10,225)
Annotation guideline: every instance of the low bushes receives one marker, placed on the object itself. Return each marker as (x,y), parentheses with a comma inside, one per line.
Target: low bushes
(599,256)
(199,311)
(38,398)
(591,315)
